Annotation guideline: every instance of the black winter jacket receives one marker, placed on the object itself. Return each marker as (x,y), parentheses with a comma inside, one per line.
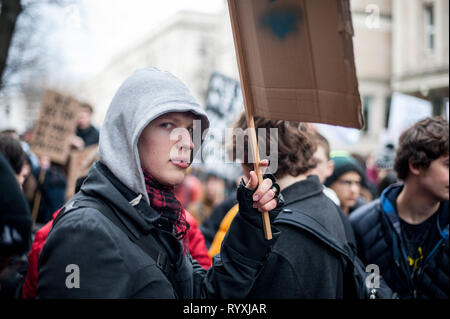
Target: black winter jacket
(378,234)
(112,266)
(299,265)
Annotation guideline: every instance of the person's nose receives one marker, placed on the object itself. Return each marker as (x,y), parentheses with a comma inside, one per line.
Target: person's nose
(185,141)
(355,188)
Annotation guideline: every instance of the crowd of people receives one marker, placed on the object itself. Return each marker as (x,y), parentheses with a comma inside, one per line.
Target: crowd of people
(143,224)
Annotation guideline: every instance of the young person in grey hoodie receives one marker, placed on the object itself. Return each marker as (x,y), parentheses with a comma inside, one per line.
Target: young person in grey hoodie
(99,247)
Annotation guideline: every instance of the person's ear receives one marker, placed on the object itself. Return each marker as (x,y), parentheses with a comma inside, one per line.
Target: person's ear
(414,170)
(330,170)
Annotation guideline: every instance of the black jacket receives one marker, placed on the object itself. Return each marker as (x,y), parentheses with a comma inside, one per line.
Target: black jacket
(111,266)
(378,234)
(90,135)
(299,265)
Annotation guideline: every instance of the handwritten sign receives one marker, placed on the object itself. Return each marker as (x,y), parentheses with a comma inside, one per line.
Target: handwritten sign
(223,103)
(55,127)
(80,163)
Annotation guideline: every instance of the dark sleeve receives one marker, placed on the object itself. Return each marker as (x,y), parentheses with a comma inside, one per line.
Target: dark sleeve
(211,225)
(278,279)
(72,261)
(299,267)
(244,250)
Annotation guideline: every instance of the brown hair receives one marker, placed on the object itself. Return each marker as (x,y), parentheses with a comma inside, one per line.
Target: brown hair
(87,106)
(424,142)
(295,145)
(13,152)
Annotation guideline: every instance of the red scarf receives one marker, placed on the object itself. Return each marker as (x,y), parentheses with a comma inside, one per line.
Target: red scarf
(163,200)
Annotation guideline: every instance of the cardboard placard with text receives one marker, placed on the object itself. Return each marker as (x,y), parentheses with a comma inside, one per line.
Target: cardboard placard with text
(80,163)
(296,60)
(55,127)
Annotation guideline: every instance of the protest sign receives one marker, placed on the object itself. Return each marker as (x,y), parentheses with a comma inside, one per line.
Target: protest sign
(405,111)
(296,60)
(55,127)
(296,63)
(223,104)
(79,164)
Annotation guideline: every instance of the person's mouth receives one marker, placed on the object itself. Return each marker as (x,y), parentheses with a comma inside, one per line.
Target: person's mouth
(181,163)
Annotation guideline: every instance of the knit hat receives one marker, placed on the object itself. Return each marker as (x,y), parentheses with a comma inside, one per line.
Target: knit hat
(344,164)
(15,216)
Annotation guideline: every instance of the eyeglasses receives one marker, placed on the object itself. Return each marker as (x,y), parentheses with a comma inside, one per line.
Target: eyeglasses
(349,183)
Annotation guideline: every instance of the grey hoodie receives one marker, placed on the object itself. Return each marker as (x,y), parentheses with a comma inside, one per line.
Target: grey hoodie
(147,94)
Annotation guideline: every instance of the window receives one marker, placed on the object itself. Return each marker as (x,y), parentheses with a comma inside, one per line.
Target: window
(387,111)
(367,101)
(430,27)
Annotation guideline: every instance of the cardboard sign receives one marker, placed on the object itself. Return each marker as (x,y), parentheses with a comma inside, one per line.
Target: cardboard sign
(80,163)
(55,127)
(296,60)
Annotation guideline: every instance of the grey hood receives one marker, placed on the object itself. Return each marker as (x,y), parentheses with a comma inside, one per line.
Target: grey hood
(147,94)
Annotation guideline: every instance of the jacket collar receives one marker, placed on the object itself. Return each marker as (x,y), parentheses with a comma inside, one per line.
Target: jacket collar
(302,189)
(103,184)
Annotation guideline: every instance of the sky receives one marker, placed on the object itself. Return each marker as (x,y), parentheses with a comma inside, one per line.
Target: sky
(90,33)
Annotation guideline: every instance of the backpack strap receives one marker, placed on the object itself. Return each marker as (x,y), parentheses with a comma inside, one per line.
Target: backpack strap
(309,224)
(147,243)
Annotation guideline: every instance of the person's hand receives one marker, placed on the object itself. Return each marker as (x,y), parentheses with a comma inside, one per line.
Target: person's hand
(264,198)
(254,199)
(77,142)
(45,162)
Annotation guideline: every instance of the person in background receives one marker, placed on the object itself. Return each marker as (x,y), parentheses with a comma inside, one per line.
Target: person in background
(385,163)
(299,266)
(190,191)
(211,225)
(325,166)
(86,134)
(52,189)
(405,231)
(346,181)
(17,158)
(368,189)
(15,230)
(213,195)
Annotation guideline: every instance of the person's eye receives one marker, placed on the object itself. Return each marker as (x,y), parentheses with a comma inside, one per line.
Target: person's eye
(190,130)
(167,125)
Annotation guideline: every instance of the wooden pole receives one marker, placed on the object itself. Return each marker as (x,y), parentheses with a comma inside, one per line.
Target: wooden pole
(248,105)
(37,199)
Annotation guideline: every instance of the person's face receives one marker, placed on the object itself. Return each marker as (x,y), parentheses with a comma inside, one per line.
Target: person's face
(84,118)
(214,188)
(324,166)
(165,147)
(435,178)
(23,174)
(347,188)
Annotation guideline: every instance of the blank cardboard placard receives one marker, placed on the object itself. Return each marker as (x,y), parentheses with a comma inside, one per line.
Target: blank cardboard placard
(55,127)
(296,60)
